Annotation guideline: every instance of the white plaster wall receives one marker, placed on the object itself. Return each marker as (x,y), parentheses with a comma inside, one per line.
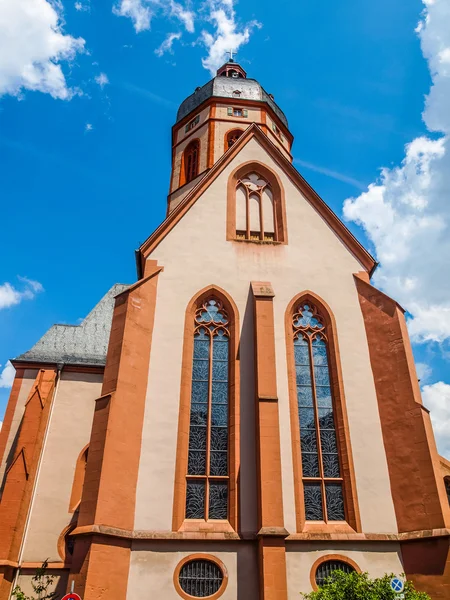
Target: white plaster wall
(196,254)
(28,380)
(70,431)
(376,558)
(152,567)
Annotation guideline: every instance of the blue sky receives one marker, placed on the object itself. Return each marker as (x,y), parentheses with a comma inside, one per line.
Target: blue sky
(85,151)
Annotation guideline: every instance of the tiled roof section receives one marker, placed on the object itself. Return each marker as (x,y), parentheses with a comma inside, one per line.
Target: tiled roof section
(83,344)
(224,87)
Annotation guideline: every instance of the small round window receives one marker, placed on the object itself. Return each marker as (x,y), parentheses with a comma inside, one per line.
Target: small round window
(200,578)
(326,569)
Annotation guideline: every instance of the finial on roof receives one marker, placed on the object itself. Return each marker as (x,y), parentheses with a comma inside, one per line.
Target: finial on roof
(231,52)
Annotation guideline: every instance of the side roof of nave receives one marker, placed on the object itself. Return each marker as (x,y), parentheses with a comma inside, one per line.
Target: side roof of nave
(84,344)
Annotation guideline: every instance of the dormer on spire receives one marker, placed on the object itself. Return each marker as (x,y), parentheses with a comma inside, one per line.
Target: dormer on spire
(232,69)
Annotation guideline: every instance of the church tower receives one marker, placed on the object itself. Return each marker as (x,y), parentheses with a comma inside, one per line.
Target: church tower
(244,418)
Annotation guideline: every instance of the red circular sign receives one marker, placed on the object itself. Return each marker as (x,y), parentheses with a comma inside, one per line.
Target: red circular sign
(71,596)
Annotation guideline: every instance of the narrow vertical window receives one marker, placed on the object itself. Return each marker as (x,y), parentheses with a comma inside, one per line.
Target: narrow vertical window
(191,159)
(207,471)
(321,469)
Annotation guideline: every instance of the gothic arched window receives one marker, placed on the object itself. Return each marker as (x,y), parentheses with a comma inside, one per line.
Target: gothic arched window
(191,158)
(255,209)
(207,478)
(232,137)
(320,460)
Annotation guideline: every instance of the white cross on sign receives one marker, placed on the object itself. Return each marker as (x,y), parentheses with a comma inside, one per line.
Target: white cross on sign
(397,585)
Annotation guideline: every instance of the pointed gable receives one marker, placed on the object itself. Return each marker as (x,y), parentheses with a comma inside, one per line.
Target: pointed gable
(254,132)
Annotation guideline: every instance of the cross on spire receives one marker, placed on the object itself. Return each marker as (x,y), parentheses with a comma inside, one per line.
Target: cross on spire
(231,52)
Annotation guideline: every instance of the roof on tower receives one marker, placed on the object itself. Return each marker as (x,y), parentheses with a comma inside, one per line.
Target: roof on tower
(225,85)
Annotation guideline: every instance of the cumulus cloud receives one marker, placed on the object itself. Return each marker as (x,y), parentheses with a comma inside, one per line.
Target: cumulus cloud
(221,30)
(228,35)
(166,46)
(406,213)
(10,295)
(33,46)
(141,12)
(102,80)
(7,377)
(436,398)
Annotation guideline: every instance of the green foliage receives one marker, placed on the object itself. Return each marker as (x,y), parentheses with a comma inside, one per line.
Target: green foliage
(358,586)
(40,584)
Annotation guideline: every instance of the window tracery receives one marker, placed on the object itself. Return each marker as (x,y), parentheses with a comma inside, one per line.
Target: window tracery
(207,471)
(255,209)
(321,469)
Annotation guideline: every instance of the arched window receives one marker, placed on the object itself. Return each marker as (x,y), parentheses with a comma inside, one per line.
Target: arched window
(232,137)
(256,207)
(207,478)
(447,487)
(191,159)
(255,210)
(78,479)
(320,460)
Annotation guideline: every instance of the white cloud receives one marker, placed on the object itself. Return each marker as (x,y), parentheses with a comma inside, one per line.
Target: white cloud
(406,213)
(10,296)
(185,16)
(227,35)
(166,46)
(7,376)
(424,372)
(436,398)
(33,46)
(102,80)
(88,127)
(141,12)
(80,7)
(221,32)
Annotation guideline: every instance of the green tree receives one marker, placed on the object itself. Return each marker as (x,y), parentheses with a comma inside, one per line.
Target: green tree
(358,586)
(40,584)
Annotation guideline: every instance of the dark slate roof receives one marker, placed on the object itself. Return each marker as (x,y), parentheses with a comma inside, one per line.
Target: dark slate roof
(83,344)
(223,87)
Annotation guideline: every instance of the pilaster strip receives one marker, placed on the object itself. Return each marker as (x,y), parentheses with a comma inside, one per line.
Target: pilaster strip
(272,550)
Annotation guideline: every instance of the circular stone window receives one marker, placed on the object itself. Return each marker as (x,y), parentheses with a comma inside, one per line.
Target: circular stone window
(326,569)
(201,578)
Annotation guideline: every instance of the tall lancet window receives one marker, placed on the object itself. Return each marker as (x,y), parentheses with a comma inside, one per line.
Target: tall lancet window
(191,159)
(208,470)
(320,460)
(255,210)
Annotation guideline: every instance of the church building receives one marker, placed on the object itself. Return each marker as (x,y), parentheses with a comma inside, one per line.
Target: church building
(244,418)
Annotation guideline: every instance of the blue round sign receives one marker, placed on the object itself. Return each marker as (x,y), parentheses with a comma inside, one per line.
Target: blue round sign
(397,585)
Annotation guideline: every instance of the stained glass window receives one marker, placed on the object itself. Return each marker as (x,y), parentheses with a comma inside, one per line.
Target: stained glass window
(207,473)
(200,578)
(255,209)
(322,476)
